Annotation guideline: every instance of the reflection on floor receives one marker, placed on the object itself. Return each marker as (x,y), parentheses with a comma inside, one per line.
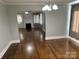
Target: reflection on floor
(33,46)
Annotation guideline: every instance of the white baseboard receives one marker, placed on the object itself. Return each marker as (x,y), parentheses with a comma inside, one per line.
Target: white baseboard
(7,46)
(56,37)
(74,41)
(15,41)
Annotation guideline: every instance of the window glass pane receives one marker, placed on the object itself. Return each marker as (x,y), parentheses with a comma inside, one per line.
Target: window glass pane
(19,19)
(75,21)
(41,18)
(36,19)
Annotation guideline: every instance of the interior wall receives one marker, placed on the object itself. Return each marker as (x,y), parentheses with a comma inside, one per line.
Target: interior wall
(56,21)
(5,35)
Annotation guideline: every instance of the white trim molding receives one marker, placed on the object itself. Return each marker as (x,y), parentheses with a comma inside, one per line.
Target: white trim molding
(68,19)
(56,37)
(24,3)
(15,41)
(74,41)
(74,2)
(7,46)
(69,14)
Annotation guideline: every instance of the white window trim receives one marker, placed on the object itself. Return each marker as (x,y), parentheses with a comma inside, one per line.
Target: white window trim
(69,14)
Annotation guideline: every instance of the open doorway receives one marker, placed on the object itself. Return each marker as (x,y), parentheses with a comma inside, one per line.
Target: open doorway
(31,22)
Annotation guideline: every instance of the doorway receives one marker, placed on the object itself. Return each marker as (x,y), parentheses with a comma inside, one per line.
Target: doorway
(31,22)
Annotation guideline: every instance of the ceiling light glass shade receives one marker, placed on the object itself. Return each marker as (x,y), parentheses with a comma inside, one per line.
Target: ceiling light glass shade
(50,9)
(55,7)
(26,12)
(45,8)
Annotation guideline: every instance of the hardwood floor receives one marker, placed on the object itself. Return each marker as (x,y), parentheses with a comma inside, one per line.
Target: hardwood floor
(33,46)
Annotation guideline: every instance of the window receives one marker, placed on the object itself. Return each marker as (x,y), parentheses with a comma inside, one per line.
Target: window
(75,23)
(36,19)
(41,18)
(19,18)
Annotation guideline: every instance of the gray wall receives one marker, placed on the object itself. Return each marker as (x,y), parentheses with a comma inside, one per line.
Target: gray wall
(56,22)
(5,35)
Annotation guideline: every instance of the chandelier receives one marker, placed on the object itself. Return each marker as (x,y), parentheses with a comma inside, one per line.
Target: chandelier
(50,7)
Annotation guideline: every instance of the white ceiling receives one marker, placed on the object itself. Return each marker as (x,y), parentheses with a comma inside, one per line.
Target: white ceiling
(39,2)
(18,1)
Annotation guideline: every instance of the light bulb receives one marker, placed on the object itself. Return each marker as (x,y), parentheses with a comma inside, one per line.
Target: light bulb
(26,12)
(55,7)
(45,8)
(50,9)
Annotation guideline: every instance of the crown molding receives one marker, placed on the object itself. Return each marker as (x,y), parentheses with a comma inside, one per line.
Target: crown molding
(25,3)
(31,3)
(74,2)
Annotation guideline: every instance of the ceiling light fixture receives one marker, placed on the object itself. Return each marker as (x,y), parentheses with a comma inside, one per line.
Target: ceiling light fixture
(45,8)
(55,7)
(26,12)
(50,7)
